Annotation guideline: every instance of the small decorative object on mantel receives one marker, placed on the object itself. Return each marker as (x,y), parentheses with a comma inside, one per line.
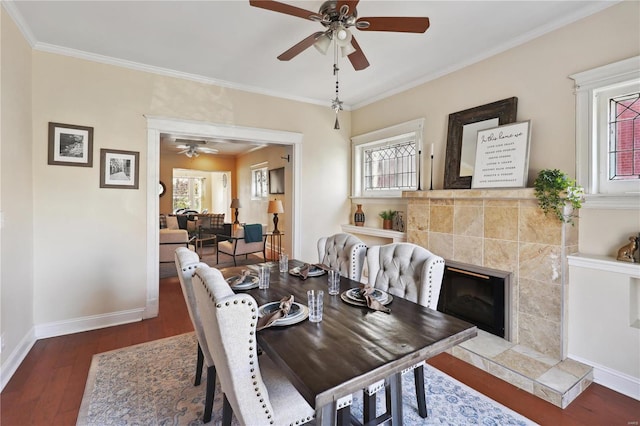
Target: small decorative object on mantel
(555,191)
(626,252)
(387,218)
(398,222)
(358,217)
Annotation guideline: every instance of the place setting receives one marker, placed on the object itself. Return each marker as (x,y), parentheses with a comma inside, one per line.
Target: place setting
(309,270)
(368,296)
(281,313)
(246,280)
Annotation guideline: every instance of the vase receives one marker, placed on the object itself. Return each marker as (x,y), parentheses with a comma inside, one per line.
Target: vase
(387,224)
(358,217)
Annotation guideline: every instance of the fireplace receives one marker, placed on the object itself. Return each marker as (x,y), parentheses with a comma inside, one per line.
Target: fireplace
(477,295)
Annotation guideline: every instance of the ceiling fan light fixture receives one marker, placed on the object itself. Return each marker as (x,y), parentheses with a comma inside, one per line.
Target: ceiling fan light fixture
(322,43)
(343,37)
(347,50)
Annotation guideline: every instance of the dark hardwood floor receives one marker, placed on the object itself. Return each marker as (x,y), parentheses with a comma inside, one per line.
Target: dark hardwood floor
(47,388)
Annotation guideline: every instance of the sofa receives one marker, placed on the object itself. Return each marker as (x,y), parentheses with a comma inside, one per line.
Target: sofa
(170,240)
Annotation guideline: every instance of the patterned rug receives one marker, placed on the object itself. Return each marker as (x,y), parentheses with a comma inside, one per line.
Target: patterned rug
(209,257)
(152,384)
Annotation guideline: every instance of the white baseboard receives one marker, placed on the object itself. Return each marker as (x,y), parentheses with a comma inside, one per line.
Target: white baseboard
(93,322)
(60,328)
(16,357)
(613,379)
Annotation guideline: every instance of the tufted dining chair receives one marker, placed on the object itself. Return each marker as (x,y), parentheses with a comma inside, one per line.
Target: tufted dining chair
(344,253)
(186,263)
(254,388)
(411,272)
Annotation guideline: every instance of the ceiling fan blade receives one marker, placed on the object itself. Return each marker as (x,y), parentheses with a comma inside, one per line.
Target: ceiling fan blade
(406,24)
(276,6)
(357,58)
(351,3)
(300,47)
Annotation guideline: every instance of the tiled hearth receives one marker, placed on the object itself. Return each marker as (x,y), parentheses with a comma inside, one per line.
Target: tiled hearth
(506,230)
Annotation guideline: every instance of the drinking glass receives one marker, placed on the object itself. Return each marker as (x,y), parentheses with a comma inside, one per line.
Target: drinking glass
(284,262)
(333,279)
(314,300)
(264,275)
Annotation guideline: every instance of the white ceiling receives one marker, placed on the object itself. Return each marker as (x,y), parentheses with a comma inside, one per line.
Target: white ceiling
(233,44)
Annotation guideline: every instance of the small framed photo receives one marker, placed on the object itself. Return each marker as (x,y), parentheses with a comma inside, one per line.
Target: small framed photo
(70,145)
(119,169)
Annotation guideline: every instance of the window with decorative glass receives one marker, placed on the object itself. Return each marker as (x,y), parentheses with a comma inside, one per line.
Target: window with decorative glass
(608,133)
(385,162)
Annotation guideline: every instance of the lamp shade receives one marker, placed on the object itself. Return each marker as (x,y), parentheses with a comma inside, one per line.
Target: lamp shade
(235,203)
(275,206)
(322,43)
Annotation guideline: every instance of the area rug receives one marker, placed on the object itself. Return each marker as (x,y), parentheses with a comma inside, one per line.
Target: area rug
(152,384)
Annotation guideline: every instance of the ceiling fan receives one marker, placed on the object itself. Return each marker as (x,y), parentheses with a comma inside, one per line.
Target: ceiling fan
(194,148)
(337,16)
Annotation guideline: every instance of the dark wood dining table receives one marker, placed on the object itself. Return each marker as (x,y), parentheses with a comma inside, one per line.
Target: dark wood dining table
(352,347)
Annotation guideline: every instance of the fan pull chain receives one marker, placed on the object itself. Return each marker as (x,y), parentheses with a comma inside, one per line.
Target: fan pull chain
(336,104)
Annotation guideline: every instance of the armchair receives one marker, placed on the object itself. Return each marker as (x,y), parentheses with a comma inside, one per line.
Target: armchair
(236,245)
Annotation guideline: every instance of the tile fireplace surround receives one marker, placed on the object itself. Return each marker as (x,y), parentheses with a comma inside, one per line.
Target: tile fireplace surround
(505,229)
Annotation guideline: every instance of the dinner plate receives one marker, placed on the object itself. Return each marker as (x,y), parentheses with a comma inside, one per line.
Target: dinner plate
(347,299)
(314,271)
(354,294)
(250,281)
(297,313)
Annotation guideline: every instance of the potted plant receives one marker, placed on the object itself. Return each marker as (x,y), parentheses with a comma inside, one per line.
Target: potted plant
(555,192)
(387,218)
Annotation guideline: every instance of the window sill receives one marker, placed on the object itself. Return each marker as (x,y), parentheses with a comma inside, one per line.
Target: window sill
(604,263)
(613,202)
(397,237)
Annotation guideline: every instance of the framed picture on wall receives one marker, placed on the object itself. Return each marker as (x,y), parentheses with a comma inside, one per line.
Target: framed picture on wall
(70,145)
(276,181)
(119,169)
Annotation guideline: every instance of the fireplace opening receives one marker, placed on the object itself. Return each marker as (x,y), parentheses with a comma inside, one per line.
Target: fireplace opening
(477,295)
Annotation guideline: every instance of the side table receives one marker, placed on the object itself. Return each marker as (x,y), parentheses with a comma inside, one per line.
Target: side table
(275,245)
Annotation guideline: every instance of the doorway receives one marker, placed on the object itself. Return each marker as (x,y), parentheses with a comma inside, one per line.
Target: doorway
(158,125)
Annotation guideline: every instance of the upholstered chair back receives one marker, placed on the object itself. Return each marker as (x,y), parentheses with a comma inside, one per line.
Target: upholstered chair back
(186,263)
(406,270)
(344,253)
(230,328)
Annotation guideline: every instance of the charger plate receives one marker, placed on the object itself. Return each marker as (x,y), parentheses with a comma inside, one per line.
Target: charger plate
(297,313)
(250,281)
(312,272)
(352,297)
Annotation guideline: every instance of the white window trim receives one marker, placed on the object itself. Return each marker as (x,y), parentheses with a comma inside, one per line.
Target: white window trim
(587,84)
(358,143)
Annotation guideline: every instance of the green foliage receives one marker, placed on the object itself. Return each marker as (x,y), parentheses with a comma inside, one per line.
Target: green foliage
(554,189)
(387,214)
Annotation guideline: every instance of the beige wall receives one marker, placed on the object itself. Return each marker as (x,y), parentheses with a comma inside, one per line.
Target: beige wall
(101,266)
(16,192)
(255,211)
(537,74)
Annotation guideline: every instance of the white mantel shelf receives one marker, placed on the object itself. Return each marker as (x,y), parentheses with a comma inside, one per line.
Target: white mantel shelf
(489,194)
(397,237)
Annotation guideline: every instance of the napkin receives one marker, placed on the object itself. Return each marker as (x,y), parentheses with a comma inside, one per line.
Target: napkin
(304,271)
(366,291)
(283,310)
(243,275)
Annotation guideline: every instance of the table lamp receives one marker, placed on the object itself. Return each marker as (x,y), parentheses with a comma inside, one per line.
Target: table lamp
(275,207)
(235,204)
